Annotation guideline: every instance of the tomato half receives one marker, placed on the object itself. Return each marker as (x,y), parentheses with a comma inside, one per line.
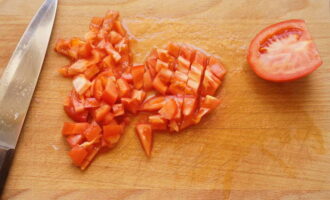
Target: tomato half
(283,52)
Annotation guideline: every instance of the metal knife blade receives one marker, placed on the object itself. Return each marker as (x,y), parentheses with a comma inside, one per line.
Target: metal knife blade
(19,79)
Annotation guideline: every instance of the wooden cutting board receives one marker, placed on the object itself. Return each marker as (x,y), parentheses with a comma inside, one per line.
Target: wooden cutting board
(265,141)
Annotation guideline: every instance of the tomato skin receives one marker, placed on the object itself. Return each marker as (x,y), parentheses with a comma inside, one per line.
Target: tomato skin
(144,133)
(302,65)
(78,154)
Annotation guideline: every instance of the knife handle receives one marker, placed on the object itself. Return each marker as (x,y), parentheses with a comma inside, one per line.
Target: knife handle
(6,158)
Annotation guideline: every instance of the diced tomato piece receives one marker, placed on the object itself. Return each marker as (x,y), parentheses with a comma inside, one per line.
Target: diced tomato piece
(76,116)
(147,80)
(168,111)
(98,89)
(159,85)
(79,48)
(153,104)
(199,115)
(178,83)
(110,50)
(122,46)
(173,49)
(118,109)
(132,105)
(183,65)
(157,122)
(69,108)
(75,140)
(115,37)
(96,23)
(64,71)
(110,93)
(91,37)
(144,133)
(63,46)
(179,102)
(119,28)
(161,65)
(210,102)
(137,74)
(186,122)
(200,58)
(112,132)
(189,105)
(108,62)
(101,112)
(91,71)
(81,84)
(72,128)
(188,52)
(91,155)
(164,56)
(77,102)
(174,126)
(139,95)
(123,87)
(127,77)
(151,64)
(216,67)
(108,118)
(93,132)
(210,83)
(78,67)
(91,103)
(78,154)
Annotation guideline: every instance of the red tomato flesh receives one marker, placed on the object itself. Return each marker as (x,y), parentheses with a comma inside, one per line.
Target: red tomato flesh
(283,52)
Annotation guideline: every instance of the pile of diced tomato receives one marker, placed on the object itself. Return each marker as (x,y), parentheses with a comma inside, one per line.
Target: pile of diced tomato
(175,88)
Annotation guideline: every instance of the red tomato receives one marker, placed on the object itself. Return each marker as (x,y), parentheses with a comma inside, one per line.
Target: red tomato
(112,132)
(283,52)
(110,93)
(72,128)
(169,110)
(93,132)
(74,140)
(137,74)
(157,122)
(78,154)
(144,132)
(153,104)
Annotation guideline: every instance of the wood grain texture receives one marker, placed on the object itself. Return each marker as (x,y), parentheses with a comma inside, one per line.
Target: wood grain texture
(266,140)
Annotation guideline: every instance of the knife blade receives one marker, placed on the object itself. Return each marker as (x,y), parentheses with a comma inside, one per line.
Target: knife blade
(19,79)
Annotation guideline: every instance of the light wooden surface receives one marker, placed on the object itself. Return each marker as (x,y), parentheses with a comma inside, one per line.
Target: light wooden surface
(266,140)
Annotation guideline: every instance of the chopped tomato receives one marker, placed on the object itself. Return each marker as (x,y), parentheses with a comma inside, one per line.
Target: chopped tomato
(173,49)
(210,102)
(153,104)
(91,71)
(78,155)
(101,112)
(189,105)
(216,67)
(118,109)
(283,52)
(131,105)
(93,132)
(110,93)
(157,122)
(91,103)
(137,74)
(108,118)
(119,28)
(81,84)
(139,95)
(168,111)
(75,140)
(123,87)
(71,128)
(147,80)
(144,133)
(91,155)
(112,132)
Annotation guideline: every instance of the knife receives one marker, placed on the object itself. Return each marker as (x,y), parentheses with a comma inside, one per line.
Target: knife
(18,82)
